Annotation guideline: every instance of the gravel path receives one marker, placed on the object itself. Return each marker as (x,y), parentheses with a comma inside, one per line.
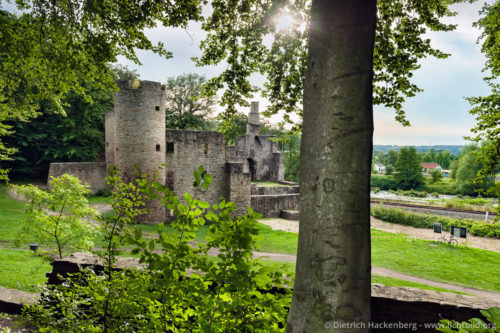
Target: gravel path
(427,234)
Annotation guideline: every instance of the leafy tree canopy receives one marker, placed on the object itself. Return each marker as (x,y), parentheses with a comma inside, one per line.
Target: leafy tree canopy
(236,34)
(49,48)
(486,109)
(186,107)
(76,136)
(408,168)
(465,169)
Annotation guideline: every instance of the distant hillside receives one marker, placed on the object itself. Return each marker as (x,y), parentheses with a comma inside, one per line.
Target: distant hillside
(454,149)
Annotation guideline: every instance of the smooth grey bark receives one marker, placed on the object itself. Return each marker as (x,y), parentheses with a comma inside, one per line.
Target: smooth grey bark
(332,283)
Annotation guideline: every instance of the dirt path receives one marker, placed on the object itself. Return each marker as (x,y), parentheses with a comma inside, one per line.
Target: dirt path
(427,234)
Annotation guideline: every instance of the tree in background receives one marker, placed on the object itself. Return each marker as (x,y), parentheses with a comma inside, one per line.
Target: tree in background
(75,136)
(436,175)
(408,172)
(464,171)
(239,128)
(186,107)
(444,158)
(392,157)
(430,156)
(51,48)
(289,145)
(486,109)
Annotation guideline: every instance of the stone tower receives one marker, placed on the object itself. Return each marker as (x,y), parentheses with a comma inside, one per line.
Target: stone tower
(253,125)
(138,126)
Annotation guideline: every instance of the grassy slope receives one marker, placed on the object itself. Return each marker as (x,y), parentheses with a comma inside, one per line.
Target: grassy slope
(11,214)
(439,262)
(464,266)
(21,270)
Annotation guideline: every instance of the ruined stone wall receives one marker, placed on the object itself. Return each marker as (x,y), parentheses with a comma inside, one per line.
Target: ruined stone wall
(186,151)
(90,173)
(109,129)
(238,188)
(253,125)
(271,205)
(139,135)
(266,190)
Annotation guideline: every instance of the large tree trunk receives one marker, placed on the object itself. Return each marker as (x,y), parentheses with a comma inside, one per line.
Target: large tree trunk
(332,283)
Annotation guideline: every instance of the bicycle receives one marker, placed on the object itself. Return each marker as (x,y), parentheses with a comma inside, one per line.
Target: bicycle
(451,240)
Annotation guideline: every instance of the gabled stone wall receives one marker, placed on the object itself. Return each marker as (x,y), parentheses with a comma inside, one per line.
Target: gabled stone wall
(186,151)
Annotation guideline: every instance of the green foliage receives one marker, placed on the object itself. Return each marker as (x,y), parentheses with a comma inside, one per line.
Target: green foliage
(238,127)
(63,215)
(235,36)
(436,175)
(51,48)
(470,203)
(408,169)
(400,216)
(179,288)
(474,325)
(486,109)
(289,144)
(186,107)
(383,182)
(76,136)
(465,170)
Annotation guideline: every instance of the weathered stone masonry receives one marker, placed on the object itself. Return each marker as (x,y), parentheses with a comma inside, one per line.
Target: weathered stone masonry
(138,127)
(136,137)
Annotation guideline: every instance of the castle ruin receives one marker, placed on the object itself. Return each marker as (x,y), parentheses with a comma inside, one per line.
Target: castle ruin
(137,140)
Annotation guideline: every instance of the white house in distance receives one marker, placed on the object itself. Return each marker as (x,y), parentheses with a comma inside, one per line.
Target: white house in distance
(379,167)
(429,166)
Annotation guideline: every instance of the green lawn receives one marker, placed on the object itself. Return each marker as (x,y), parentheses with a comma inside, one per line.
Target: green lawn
(22,270)
(11,215)
(463,266)
(439,262)
(101,200)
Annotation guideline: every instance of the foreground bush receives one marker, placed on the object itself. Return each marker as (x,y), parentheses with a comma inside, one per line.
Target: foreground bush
(383,182)
(62,216)
(403,217)
(181,289)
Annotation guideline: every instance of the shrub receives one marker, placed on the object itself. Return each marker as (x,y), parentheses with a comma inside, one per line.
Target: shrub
(62,216)
(473,325)
(400,216)
(180,289)
(383,182)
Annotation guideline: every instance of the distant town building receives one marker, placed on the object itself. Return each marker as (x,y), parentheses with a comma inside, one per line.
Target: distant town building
(429,166)
(379,167)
